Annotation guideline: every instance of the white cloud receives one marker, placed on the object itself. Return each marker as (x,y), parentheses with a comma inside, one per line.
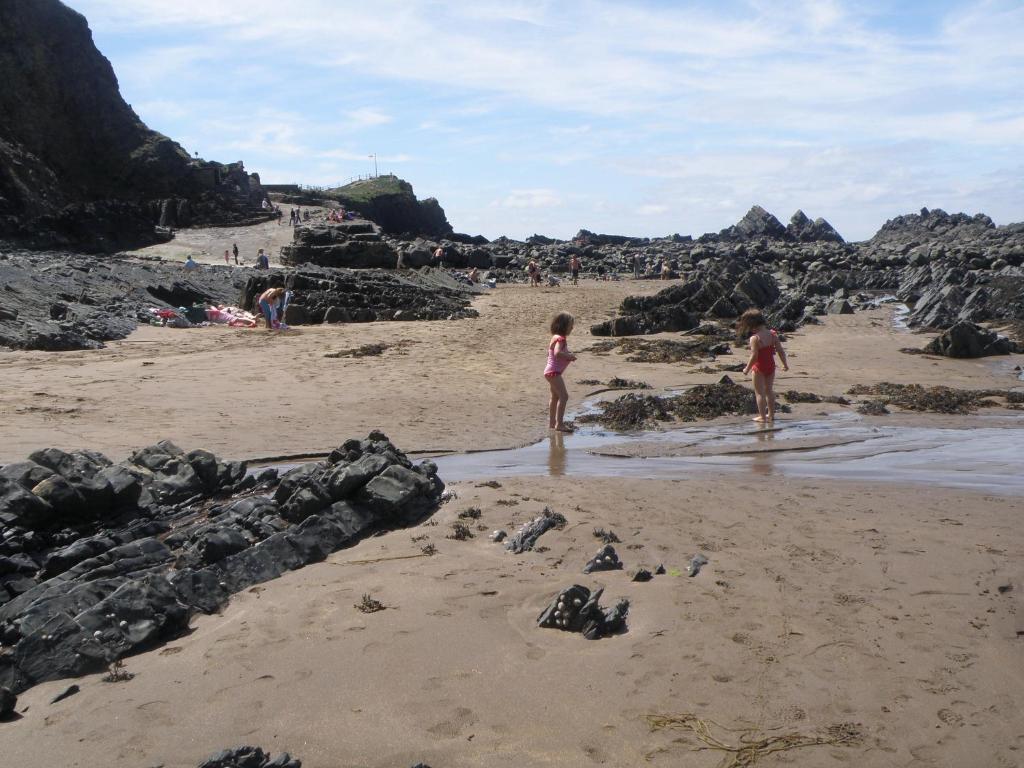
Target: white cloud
(790,103)
(367,117)
(652,209)
(531,198)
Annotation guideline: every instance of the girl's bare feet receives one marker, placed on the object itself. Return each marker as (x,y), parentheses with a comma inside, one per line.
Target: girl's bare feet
(759,419)
(564,428)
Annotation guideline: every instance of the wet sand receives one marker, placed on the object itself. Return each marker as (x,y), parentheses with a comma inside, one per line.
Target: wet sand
(866,607)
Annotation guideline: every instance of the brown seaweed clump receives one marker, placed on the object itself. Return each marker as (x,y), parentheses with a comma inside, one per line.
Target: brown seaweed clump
(793,396)
(669,351)
(630,412)
(710,401)
(637,350)
(619,383)
(914,397)
(873,408)
(704,401)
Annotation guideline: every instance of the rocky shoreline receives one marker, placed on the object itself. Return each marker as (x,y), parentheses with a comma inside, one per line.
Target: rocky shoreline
(101,560)
(56,301)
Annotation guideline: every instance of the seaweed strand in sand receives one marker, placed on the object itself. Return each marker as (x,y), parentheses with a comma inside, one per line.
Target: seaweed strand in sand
(753,744)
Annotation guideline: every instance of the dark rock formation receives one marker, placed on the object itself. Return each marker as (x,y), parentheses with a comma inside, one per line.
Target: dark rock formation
(59,301)
(78,168)
(357,296)
(249,757)
(576,610)
(605,560)
(352,244)
(804,230)
(101,560)
(8,701)
(757,222)
(526,537)
(966,339)
(391,203)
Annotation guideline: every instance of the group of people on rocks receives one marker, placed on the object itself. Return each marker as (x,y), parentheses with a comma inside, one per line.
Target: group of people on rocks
(339,215)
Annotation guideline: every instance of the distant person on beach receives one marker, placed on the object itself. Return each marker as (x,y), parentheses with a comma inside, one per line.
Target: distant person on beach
(190,264)
(262,262)
(234,249)
(559,358)
(636,267)
(227,258)
(764,345)
(268,302)
(439,257)
(574,269)
(665,269)
(534,272)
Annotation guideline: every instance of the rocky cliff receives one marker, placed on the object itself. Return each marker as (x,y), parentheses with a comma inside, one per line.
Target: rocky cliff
(78,168)
(391,203)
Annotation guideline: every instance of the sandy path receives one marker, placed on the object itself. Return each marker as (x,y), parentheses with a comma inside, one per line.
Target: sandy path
(822,605)
(440,386)
(206,245)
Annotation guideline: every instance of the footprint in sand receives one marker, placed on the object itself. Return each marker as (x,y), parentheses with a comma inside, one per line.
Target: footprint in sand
(453,727)
(951,718)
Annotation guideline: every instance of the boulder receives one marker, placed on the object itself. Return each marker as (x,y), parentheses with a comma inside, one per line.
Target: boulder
(8,701)
(967,340)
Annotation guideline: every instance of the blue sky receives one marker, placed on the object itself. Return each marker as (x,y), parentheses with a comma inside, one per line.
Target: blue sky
(642,118)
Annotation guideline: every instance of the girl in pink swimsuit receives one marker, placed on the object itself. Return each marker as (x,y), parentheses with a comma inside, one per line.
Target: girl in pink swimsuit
(559,358)
(764,345)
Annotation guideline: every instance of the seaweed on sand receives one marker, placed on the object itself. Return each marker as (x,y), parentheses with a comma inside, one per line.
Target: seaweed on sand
(914,397)
(704,401)
(752,744)
(873,408)
(668,351)
(709,401)
(688,350)
(619,383)
(793,396)
(630,412)
(366,350)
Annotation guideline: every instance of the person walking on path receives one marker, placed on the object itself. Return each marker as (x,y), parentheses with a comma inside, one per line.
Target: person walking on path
(764,345)
(559,358)
(574,269)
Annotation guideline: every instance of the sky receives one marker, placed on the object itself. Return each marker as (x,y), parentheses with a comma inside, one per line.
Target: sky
(644,117)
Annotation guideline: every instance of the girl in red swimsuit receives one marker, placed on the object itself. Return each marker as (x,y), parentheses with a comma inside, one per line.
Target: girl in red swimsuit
(764,345)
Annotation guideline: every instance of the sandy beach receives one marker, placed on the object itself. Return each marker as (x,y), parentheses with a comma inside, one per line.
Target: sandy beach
(872,616)
(447,386)
(874,612)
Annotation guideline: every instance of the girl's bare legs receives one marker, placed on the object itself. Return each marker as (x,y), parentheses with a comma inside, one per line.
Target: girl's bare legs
(559,399)
(761,395)
(769,382)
